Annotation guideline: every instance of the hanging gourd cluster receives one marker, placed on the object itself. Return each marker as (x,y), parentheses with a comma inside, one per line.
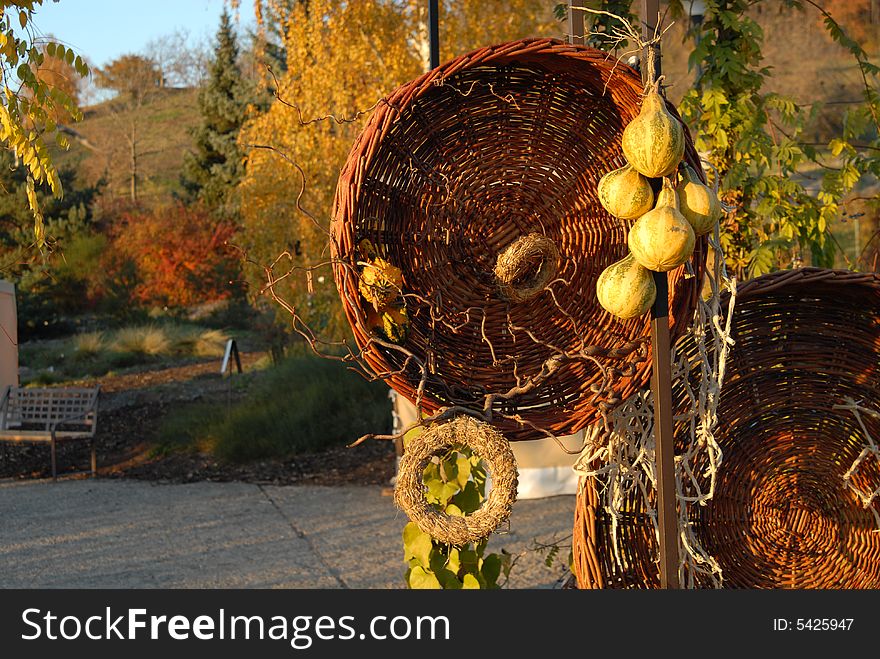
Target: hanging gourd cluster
(663,234)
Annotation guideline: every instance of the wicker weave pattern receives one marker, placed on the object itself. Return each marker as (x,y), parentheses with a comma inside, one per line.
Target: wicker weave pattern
(497,144)
(781,516)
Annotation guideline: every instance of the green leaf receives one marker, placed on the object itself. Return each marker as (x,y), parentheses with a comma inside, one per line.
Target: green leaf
(455,511)
(470,582)
(454,562)
(440,491)
(50,49)
(421,579)
(439,561)
(506,562)
(491,569)
(836,145)
(448,580)
(431,472)
(449,469)
(468,499)
(417,544)
(470,562)
(464,470)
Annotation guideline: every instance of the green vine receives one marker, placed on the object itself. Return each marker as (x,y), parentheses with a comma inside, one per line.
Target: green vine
(456,484)
(756,141)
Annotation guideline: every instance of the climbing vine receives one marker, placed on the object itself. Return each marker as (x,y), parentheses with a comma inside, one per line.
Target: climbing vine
(783,191)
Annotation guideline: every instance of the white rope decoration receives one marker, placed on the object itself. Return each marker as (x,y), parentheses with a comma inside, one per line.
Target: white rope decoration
(624,446)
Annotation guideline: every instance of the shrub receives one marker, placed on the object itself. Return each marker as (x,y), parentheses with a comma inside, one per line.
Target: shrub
(88,344)
(180,255)
(210,343)
(303,405)
(146,340)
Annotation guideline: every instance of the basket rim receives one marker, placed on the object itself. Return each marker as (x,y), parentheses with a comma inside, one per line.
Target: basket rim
(807,275)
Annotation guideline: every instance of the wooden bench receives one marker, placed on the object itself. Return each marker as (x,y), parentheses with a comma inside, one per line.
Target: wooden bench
(50,414)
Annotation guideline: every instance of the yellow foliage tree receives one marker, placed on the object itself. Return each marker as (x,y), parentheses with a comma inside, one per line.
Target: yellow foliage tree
(31,104)
(341,59)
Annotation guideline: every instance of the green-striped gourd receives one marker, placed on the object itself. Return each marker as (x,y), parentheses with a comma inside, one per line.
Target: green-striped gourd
(653,142)
(698,202)
(662,239)
(625,193)
(626,289)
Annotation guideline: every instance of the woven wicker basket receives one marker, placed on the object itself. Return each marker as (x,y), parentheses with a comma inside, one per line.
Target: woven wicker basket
(782,516)
(450,171)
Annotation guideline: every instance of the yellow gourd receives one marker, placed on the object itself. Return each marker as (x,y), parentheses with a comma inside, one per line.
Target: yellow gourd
(626,289)
(653,142)
(380,282)
(698,202)
(625,193)
(662,239)
(390,323)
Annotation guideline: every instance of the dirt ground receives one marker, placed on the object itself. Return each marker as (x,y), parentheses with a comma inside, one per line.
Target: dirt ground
(130,409)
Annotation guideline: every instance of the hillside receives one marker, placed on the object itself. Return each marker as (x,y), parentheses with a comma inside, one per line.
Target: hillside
(162,127)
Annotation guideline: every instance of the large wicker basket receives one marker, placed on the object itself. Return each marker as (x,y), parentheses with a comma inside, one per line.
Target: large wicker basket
(452,169)
(782,515)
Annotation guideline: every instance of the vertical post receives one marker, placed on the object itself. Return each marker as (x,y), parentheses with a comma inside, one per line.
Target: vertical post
(856,238)
(661,376)
(575,23)
(434,32)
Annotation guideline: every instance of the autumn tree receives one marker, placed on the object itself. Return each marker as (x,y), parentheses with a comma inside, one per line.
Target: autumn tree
(134,78)
(341,59)
(212,171)
(61,76)
(30,107)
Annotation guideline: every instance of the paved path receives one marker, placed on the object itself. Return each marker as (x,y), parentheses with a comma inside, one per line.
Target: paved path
(135,534)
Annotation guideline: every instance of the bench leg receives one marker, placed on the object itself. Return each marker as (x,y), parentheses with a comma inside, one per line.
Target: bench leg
(54,470)
(94,460)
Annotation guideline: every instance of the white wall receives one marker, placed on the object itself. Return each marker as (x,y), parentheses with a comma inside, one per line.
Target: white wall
(8,336)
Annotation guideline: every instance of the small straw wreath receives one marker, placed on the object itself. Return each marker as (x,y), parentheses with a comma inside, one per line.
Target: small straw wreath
(484,441)
(526,267)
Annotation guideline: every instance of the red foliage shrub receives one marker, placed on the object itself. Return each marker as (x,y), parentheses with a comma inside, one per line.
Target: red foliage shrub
(179,254)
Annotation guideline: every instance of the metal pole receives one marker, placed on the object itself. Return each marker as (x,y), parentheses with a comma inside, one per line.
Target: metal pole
(434,32)
(661,377)
(575,23)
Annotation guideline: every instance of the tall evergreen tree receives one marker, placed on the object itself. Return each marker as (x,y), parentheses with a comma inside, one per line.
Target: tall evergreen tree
(212,171)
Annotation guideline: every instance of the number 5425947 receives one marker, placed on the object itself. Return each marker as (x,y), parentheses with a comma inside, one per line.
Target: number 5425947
(823,624)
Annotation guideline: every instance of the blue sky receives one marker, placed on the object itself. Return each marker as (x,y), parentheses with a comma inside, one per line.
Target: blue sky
(101,30)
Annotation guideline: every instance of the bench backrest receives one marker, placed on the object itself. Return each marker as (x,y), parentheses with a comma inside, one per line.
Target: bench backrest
(48,406)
